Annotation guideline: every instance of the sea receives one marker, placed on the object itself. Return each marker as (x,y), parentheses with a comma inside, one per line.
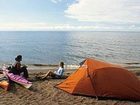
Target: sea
(71,47)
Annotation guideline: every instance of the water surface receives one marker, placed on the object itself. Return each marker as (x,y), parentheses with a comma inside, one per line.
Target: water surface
(71,47)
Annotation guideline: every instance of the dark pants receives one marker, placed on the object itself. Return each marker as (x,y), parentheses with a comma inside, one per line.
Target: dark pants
(18,72)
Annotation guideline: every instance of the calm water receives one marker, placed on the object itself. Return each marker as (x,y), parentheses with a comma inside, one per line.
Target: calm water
(70,47)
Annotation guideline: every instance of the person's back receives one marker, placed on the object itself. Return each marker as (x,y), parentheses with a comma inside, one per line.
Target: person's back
(17,65)
(60,71)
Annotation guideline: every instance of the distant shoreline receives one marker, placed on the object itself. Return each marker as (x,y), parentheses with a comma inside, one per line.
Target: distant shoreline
(46,67)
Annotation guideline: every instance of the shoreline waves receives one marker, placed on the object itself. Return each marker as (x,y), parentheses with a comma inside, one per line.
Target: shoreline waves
(129,66)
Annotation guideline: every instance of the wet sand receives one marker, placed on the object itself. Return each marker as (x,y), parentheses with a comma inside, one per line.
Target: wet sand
(43,92)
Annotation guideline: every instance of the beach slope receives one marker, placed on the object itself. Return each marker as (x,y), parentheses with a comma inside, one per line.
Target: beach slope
(43,92)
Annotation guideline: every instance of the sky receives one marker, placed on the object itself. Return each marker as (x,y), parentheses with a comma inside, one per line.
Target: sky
(90,15)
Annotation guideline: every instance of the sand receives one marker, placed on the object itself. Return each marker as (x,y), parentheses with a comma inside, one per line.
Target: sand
(43,92)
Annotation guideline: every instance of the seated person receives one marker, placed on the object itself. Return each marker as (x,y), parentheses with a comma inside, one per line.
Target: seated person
(56,74)
(17,69)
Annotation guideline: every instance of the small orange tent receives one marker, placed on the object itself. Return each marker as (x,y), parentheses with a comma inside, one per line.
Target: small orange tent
(100,79)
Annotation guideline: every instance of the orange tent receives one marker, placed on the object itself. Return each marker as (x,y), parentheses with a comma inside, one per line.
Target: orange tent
(100,79)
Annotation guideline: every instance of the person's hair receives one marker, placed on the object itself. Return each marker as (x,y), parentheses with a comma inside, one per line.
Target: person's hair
(62,64)
(18,58)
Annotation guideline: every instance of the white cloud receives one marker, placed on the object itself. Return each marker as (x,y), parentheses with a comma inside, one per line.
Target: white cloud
(105,11)
(56,1)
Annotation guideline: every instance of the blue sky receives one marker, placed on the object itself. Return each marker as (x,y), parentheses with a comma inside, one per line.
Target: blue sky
(95,15)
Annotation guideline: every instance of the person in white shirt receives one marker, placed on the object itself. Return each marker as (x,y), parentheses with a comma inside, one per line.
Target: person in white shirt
(56,74)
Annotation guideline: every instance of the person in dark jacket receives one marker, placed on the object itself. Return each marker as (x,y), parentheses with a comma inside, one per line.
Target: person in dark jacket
(17,69)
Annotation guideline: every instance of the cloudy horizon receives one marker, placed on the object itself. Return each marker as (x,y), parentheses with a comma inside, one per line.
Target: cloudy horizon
(87,15)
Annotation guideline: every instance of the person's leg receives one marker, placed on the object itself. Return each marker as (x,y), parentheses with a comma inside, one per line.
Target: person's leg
(14,71)
(25,72)
(49,73)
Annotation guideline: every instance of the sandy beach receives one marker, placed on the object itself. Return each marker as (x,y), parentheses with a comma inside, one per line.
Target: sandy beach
(102,37)
(43,92)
